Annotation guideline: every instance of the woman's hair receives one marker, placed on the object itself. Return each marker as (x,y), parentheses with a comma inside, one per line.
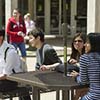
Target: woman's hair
(37,32)
(27,15)
(94,40)
(75,52)
(17,9)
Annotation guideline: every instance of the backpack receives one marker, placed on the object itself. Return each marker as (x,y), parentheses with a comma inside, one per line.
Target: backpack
(23,65)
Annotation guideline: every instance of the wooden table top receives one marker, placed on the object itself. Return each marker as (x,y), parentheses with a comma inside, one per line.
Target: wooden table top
(46,79)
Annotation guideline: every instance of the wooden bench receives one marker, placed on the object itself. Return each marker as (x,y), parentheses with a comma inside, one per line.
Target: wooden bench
(18,92)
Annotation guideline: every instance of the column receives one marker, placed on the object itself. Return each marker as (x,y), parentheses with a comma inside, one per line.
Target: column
(97,23)
(7,10)
(91,12)
(73,13)
(9,6)
(93,16)
(34,11)
(31,8)
(60,16)
(0,14)
(14,4)
(47,17)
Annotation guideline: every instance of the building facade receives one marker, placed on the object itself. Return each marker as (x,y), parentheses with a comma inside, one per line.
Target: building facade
(80,14)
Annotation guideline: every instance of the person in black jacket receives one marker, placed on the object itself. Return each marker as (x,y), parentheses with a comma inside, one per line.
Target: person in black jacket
(46,55)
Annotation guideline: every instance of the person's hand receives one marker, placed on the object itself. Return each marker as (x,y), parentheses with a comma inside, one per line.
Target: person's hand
(20,33)
(72,61)
(74,73)
(43,68)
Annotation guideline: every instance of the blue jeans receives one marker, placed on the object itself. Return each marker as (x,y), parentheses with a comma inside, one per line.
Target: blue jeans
(21,47)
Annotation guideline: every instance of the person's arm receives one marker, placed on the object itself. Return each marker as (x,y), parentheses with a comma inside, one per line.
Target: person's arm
(72,61)
(9,29)
(22,30)
(51,60)
(2,77)
(49,67)
(83,75)
(12,62)
(9,64)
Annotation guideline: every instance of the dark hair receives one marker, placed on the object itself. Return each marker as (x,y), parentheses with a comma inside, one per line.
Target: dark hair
(2,33)
(18,10)
(75,54)
(37,32)
(94,40)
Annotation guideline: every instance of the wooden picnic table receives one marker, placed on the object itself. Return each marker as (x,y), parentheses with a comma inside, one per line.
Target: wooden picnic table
(47,80)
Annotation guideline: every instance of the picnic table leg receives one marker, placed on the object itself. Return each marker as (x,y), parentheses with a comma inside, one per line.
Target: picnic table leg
(72,94)
(65,95)
(57,94)
(35,93)
(11,98)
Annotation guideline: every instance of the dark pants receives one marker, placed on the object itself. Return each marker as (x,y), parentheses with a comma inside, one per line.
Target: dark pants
(6,85)
(25,98)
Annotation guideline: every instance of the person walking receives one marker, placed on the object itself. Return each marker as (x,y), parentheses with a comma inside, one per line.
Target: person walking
(16,31)
(30,24)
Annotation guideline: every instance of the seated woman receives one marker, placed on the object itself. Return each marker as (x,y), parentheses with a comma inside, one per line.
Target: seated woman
(90,67)
(77,50)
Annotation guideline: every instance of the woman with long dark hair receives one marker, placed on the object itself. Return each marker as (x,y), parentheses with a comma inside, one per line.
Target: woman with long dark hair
(77,48)
(90,67)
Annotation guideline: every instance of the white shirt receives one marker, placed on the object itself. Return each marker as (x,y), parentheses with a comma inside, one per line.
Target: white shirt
(29,26)
(12,60)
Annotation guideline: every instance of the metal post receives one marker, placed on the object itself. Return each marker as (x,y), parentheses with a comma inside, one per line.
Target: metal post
(64,30)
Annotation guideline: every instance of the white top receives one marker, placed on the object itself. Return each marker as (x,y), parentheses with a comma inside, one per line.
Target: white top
(12,60)
(29,26)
